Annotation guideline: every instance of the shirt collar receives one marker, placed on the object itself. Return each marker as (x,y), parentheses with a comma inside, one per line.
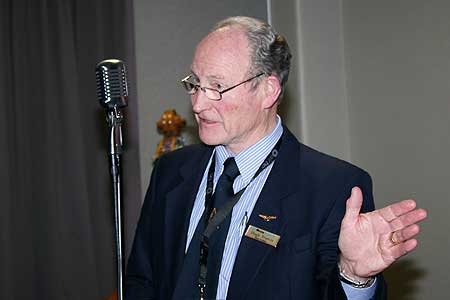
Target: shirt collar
(249,160)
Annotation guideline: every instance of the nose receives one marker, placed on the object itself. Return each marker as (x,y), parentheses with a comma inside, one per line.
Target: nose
(199,101)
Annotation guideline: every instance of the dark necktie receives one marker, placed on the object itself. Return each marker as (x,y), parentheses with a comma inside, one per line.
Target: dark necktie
(187,287)
(223,193)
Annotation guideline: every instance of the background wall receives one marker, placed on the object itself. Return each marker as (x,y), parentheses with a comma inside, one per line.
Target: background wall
(368,84)
(317,97)
(398,68)
(373,78)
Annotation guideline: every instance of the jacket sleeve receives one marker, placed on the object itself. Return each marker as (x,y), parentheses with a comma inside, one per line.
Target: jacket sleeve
(327,270)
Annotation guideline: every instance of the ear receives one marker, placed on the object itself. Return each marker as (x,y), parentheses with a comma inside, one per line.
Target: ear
(272,89)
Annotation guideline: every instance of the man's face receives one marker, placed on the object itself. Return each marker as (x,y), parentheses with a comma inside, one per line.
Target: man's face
(238,120)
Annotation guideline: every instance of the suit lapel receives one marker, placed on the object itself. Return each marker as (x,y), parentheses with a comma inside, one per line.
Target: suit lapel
(179,205)
(280,184)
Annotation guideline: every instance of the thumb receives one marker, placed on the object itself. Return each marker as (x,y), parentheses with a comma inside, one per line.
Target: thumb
(353,206)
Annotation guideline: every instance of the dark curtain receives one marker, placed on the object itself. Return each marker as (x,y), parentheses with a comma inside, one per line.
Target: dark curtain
(56,219)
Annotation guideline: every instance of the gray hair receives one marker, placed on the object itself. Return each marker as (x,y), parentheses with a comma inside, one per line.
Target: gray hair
(270,51)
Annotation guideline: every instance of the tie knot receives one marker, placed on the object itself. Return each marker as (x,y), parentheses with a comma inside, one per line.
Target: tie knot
(230,168)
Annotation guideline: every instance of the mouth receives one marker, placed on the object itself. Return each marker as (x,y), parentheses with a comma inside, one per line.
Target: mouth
(205,121)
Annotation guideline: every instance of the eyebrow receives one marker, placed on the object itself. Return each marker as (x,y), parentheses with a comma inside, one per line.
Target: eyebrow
(214,77)
(209,77)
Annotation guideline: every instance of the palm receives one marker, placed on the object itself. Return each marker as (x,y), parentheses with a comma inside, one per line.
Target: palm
(365,239)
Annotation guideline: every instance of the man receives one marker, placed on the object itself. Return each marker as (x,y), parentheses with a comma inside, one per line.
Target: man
(289,232)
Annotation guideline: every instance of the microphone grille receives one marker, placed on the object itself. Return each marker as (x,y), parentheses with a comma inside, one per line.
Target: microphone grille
(112,85)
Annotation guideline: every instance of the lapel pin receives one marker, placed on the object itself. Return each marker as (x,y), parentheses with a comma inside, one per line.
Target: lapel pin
(267,218)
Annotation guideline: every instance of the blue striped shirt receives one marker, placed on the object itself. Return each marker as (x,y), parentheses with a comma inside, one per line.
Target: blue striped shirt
(248,162)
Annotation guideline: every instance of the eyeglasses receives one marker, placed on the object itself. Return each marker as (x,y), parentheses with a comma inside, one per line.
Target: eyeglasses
(212,94)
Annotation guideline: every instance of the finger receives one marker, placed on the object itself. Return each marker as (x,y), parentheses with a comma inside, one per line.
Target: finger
(395,210)
(353,205)
(404,234)
(403,248)
(407,219)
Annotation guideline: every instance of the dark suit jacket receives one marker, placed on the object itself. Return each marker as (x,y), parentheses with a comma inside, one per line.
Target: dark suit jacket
(306,190)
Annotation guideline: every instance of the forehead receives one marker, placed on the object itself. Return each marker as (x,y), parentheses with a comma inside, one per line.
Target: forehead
(224,53)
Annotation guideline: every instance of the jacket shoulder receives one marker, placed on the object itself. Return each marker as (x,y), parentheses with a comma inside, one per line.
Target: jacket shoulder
(317,165)
(323,163)
(314,159)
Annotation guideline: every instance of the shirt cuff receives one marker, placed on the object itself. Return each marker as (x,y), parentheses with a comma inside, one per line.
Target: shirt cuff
(353,293)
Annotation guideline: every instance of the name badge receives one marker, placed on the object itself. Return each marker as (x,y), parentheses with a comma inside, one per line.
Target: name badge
(262,235)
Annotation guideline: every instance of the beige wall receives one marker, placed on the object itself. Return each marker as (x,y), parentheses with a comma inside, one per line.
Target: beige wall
(398,70)
(373,88)
(317,92)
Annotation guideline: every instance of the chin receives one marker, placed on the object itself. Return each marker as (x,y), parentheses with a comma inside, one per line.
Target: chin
(210,141)
(210,138)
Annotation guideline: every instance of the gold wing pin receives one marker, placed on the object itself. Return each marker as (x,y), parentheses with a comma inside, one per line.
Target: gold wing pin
(267,218)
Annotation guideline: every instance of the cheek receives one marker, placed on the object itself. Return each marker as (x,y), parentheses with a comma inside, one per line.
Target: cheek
(237,115)
(231,116)
(244,112)
(228,112)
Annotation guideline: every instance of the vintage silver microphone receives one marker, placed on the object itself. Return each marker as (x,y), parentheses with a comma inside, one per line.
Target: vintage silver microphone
(112,85)
(112,91)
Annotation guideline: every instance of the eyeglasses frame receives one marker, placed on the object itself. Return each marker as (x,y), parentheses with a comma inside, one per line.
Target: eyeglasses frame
(197,86)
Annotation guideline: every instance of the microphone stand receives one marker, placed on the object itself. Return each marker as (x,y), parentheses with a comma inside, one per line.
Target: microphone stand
(115,143)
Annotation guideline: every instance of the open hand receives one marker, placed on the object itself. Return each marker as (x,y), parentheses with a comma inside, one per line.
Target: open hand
(372,241)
